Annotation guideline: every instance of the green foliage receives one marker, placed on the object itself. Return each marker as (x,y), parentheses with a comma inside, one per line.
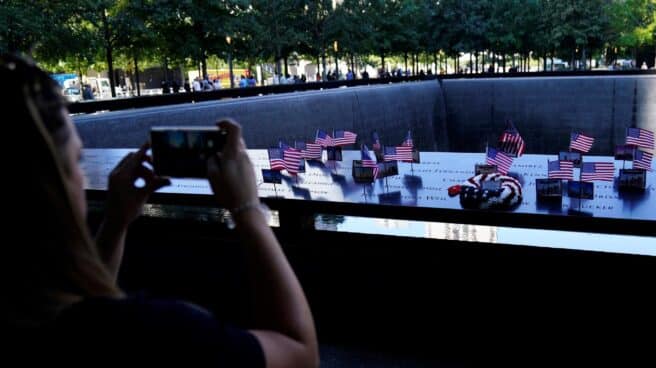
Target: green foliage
(76,34)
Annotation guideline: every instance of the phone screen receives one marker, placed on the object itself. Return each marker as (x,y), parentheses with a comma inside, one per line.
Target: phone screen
(183,151)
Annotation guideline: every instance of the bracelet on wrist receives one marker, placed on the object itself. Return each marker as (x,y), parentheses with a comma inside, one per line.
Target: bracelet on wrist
(229,215)
(245,207)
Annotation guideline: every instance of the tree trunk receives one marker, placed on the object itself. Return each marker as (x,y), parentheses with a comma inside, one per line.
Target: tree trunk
(528,64)
(573,61)
(286,66)
(494,62)
(414,65)
(323,62)
(108,51)
(435,62)
(79,73)
(203,63)
(476,61)
(382,62)
(471,63)
(583,59)
(318,68)
(136,74)
(405,61)
(278,57)
(503,61)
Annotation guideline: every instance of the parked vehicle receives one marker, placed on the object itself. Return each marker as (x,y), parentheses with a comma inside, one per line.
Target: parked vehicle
(72,94)
(100,87)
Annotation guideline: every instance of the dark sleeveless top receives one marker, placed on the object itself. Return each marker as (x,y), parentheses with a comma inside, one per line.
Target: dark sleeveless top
(140,332)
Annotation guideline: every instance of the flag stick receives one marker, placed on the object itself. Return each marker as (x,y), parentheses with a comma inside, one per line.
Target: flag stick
(580,192)
(275,191)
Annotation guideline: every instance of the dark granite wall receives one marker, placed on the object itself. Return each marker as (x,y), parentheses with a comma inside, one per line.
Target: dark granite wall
(389,109)
(546,110)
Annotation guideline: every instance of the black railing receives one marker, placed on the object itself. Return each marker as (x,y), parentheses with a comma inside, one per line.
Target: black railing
(179,98)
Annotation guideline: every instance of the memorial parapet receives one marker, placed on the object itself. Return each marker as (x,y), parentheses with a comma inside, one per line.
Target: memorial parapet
(419,192)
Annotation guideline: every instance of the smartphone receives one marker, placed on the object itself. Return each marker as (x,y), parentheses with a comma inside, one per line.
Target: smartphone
(182,151)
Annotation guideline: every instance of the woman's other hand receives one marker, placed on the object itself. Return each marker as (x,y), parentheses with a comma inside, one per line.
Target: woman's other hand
(125,200)
(231,172)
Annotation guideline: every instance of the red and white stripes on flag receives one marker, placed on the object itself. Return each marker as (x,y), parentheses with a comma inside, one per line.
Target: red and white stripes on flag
(292,159)
(642,160)
(495,157)
(343,137)
(602,171)
(640,137)
(276,159)
(322,138)
(399,153)
(561,170)
(511,142)
(310,151)
(580,142)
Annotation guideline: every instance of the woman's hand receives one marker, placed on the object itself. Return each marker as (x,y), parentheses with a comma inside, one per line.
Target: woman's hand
(125,201)
(230,172)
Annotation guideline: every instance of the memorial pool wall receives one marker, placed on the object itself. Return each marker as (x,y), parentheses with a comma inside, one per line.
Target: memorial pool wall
(457,115)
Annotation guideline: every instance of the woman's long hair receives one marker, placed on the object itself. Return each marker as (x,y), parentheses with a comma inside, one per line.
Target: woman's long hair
(51,260)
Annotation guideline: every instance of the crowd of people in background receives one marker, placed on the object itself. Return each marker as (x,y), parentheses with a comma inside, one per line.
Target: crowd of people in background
(200,84)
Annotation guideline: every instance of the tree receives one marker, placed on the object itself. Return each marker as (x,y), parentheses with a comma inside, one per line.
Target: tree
(275,29)
(633,22)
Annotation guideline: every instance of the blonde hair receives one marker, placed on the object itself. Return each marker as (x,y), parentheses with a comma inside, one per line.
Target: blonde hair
(55,262)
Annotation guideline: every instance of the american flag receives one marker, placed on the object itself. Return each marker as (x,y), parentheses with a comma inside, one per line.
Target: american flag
(399,153)
(408,140)
(343,137)
(640,137)
(376,146)
(642,160)
(511,142)
(291,157)
(603,171)
(495,157)
(369,160)
(322,138)
(561,170)
(276,159)
(310,151)
(580,142)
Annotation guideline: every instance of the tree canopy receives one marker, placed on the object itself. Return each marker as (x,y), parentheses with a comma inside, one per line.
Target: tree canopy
(83,33)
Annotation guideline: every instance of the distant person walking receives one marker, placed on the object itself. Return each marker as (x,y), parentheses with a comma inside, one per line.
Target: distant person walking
(87,92)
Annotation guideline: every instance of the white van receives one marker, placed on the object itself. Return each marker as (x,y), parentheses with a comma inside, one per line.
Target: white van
(101,87)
